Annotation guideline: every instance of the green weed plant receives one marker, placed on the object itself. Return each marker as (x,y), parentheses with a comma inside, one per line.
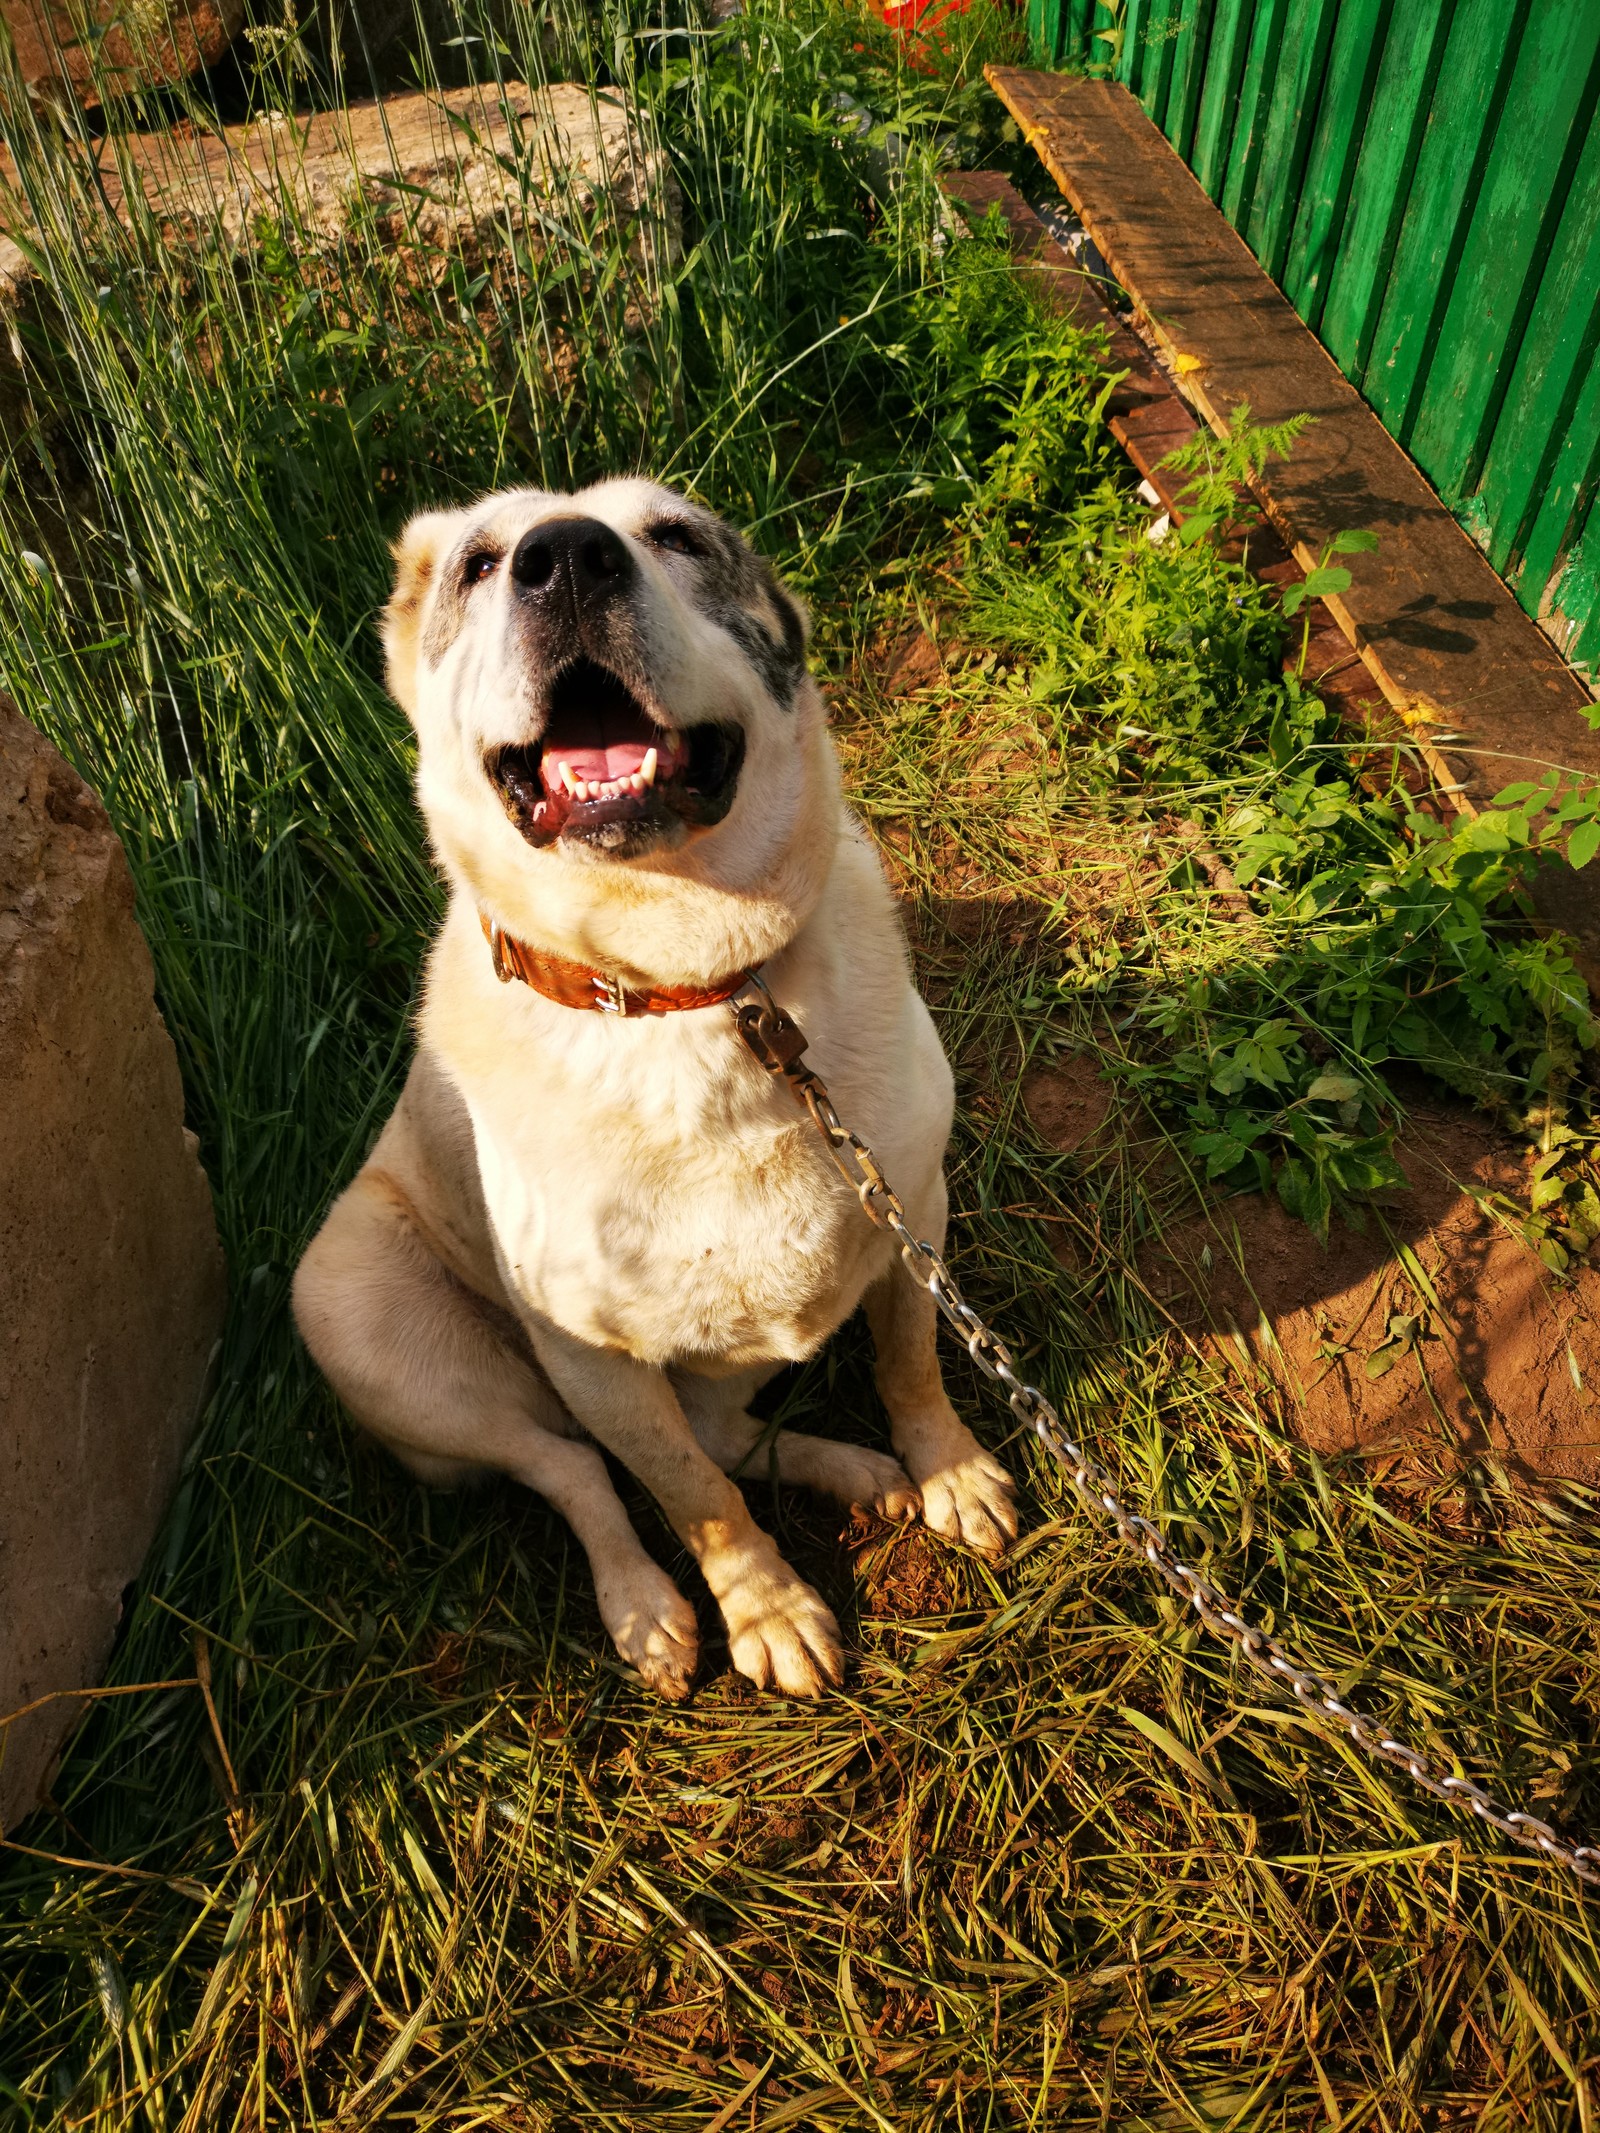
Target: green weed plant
(1382,940)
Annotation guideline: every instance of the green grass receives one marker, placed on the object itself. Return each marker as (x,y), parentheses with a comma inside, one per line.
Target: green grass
(1047,1860)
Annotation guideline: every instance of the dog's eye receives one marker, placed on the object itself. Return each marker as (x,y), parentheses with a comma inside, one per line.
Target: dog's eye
(478,567)
(676,539)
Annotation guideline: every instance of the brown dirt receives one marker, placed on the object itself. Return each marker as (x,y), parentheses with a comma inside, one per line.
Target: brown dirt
(1505,1355)
(1069,1103)
(915,662)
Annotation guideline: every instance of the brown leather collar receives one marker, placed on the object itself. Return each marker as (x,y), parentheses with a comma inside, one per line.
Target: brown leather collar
(576,985)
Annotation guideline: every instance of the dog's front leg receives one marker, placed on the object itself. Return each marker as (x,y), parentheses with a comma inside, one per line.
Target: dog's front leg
(966,1494)
(780,1632)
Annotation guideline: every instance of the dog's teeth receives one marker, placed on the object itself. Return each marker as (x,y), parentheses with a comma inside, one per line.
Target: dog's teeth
(636,783)
(580,790)
(646,774)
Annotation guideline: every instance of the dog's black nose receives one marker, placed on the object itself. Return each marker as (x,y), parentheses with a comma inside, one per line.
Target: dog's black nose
(581,554)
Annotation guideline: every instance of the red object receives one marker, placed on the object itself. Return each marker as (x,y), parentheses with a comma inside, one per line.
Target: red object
(918,14)
(916,20)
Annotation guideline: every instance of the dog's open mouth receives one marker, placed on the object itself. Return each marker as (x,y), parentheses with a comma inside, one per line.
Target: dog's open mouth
(607,772)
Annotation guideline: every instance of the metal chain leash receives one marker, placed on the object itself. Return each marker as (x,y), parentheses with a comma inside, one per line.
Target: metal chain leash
(778,1043)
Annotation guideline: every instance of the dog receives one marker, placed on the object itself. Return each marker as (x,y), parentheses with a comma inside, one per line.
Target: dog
(593,1219)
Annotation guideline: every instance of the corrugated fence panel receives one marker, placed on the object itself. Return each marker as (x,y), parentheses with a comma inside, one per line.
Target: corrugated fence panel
(1385,166)
(1219,93)
(1354,58)
(1528,174)
(1422,178)
(1302,63)
(1555,364)
(1255,103)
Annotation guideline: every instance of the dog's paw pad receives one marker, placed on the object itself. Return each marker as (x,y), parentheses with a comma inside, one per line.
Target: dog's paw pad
(972,1501)
(654,1628)
(782,1636)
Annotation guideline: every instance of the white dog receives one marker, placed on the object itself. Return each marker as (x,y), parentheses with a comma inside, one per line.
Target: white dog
(593,1218)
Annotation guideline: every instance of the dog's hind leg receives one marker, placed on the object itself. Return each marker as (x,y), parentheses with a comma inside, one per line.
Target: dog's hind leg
(416,1358)
(750,1450)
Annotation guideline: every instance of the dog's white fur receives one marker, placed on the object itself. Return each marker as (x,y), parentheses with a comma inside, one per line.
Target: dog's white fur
(580,1227)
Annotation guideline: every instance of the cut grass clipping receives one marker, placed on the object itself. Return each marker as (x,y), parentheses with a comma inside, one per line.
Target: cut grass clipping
(1047,1861)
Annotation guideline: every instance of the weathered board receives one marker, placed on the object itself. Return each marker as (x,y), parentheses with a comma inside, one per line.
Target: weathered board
(1433,621)
(1422,180)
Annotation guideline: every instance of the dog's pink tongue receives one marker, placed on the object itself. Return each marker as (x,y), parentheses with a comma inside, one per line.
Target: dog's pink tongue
(620,759)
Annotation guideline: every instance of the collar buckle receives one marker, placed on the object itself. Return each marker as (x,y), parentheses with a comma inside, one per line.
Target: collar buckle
(609,996)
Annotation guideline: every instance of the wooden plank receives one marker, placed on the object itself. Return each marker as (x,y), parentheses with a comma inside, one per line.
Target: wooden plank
(1476,70)
(1255,102)
(1557,358)
(1412,53)
(1296,93)
(1219,96)
(1145,416)
(1150,421)
(1549,108)
(1354,58)
(1444,637)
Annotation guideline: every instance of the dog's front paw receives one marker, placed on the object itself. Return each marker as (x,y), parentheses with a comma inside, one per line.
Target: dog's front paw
(867,1481)
(782,1635)
(968,1497)
(653,1627)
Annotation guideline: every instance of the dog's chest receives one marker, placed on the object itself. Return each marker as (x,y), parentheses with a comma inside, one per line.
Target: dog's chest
(702,1221)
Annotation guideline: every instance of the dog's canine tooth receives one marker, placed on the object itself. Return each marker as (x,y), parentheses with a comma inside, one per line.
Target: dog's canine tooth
(647,769)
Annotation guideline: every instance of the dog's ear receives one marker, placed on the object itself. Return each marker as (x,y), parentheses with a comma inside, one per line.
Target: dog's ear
(797,621)
(416,558)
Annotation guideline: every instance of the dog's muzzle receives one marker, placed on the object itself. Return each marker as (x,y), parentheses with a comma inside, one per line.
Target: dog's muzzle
(606,771)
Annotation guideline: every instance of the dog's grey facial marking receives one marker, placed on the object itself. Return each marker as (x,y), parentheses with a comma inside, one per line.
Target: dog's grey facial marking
(739,591)
(469,564)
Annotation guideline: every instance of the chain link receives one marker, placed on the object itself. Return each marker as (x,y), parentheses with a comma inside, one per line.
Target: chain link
(778,1044)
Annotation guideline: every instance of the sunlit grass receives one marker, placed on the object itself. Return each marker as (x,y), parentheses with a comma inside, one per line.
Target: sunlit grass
(1046,1861)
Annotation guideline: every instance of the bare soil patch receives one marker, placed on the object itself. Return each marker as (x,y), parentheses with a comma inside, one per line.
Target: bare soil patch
(1438,1324)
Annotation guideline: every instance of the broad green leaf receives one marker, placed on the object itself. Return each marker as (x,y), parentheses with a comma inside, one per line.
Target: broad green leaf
(1333,1088)
(1327,578)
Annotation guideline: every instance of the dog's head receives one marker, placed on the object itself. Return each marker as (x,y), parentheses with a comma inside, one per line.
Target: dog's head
(617,673)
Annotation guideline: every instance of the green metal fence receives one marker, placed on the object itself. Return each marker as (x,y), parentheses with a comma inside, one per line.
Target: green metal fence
(1422,179)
